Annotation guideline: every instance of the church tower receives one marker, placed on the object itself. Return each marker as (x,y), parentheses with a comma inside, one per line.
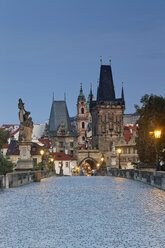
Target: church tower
(82,117)
(107,113)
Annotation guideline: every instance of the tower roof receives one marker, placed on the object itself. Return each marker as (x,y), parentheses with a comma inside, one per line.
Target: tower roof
(106,90)
(58,114)
(122,93)
(81,96)
(90,96)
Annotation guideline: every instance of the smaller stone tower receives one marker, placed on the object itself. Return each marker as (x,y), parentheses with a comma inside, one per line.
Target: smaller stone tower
(82,117)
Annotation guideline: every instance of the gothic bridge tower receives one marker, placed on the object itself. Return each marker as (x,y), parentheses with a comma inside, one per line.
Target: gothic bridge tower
(107,113)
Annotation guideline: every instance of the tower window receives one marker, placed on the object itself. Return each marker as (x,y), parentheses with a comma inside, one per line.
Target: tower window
(61,144)
(83,125)
(82,110)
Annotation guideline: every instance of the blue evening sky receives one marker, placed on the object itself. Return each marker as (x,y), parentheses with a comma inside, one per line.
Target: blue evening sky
(51,46)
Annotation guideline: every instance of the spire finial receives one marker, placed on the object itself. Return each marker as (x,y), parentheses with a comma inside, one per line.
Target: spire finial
(65,96)
(110,60)
(53,97)
(90,86)
(81,86)
(101,60)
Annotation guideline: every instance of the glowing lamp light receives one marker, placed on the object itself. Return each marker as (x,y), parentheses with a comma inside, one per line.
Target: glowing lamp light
(98,165)
(157,134)
(102,158)
(42,152)
(119,150)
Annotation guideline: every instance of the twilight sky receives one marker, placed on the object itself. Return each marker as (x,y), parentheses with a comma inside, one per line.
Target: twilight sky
(51,46)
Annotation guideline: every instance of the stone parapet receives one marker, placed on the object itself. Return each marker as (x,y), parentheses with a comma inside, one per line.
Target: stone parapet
(154,178)
(16,179)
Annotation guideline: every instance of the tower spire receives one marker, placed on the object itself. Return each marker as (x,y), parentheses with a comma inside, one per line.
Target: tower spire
(90,87)
(53,97)
(91,95)
(110,60)
(81,96)
(101,60)
(122,92)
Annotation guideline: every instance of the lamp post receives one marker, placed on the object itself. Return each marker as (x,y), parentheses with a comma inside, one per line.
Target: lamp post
(119,152)
(42,154)
(157,135)
(103,166)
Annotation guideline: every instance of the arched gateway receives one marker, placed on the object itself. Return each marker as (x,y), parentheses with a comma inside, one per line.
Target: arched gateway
(88,165)
(88,160)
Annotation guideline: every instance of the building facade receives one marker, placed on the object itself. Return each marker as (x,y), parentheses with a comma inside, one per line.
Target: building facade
(64,163)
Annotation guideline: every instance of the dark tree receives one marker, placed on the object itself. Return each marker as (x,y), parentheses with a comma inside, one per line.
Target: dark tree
(152,117)
(6,166)
(4,135)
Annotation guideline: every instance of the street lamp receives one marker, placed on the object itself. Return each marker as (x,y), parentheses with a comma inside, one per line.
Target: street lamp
(157,135)
(103,166)
(52,160)
(102,158)
(42,154)
(119,152)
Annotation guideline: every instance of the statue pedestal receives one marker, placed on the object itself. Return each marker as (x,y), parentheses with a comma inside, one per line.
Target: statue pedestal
(113,161)
(24,162)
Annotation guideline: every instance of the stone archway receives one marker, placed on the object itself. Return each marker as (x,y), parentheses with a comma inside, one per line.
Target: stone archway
(88,166)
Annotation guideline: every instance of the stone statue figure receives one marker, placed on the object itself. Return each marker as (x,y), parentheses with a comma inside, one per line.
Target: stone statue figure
(26,123)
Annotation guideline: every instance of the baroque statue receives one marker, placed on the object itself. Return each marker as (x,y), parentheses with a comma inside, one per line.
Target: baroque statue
(26,123)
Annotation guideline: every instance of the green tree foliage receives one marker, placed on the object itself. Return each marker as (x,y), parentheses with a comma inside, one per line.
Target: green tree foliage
(6,166)
(39,166)
(4,135)
(152,117)
(50,166)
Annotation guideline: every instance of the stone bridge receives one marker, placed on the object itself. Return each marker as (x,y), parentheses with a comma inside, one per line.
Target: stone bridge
(95,212)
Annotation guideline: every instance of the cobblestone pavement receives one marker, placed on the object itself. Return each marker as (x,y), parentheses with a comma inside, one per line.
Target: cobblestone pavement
(88,212)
